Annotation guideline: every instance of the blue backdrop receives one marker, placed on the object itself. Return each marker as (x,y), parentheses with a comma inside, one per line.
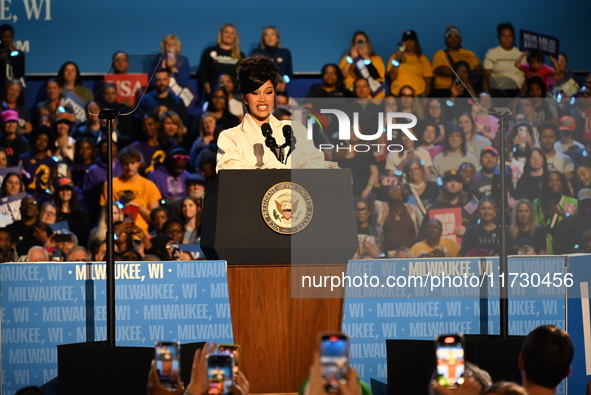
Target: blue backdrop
(51,32)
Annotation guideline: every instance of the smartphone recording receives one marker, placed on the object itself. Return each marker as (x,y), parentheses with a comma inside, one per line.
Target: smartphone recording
(234,350)
(167,356)
(450,359)
(334,359)
(220,368)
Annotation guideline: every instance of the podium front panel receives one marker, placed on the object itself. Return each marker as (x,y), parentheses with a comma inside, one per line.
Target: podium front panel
(234,230)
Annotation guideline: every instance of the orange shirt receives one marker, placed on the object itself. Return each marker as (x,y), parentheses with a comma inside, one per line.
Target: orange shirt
(145,191)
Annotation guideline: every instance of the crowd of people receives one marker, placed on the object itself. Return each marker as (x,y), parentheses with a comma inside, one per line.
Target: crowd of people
(544,362)
(55,152)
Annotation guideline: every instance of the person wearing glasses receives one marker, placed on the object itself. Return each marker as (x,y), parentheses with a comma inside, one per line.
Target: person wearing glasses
(48,213)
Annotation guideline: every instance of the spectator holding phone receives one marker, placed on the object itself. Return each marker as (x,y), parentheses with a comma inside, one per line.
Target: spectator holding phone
(172,60)
(362,62)
(131,237)
(317,385)
(60,244)
(132,189)
(408,66)
(199,383)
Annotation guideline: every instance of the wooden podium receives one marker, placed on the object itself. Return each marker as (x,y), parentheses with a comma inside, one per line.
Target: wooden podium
(274,319)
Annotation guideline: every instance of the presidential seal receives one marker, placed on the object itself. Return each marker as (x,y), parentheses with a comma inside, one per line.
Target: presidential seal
(287,208)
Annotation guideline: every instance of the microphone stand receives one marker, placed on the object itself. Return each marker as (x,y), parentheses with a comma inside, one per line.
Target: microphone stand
(501,113)
(109,115)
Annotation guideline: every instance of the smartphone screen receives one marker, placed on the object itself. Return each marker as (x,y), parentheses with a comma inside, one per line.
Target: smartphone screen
(334,358)
(220,369)
(167,356)
(234,350)
(56,255)
(170,56)
(450,359)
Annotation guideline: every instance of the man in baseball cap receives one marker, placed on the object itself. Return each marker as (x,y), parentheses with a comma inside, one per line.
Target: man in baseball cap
(567,127)
(445,59)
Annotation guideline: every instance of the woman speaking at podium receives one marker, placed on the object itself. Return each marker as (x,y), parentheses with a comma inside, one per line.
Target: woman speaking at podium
(261,141)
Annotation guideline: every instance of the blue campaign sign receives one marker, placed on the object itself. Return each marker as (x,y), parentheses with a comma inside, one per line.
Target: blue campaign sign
(537,292)
(579,320)
(44,305)
(422,298)
(400,308)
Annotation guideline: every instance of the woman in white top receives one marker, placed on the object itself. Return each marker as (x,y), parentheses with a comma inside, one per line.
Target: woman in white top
(245,146)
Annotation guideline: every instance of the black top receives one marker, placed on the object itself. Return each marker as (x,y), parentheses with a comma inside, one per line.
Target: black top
(281,57)
(478,237)
(216,61)
(22,235)
(360,169)
(77,223)
(539,238)
(318,92)
(14,148)
(529,187)
(568,233)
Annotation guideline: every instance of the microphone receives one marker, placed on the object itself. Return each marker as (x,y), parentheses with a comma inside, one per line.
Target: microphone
(290,139)
(270,141)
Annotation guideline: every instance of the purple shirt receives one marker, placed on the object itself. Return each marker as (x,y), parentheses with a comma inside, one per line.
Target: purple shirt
(38,171)
(152,157)
(169,186)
